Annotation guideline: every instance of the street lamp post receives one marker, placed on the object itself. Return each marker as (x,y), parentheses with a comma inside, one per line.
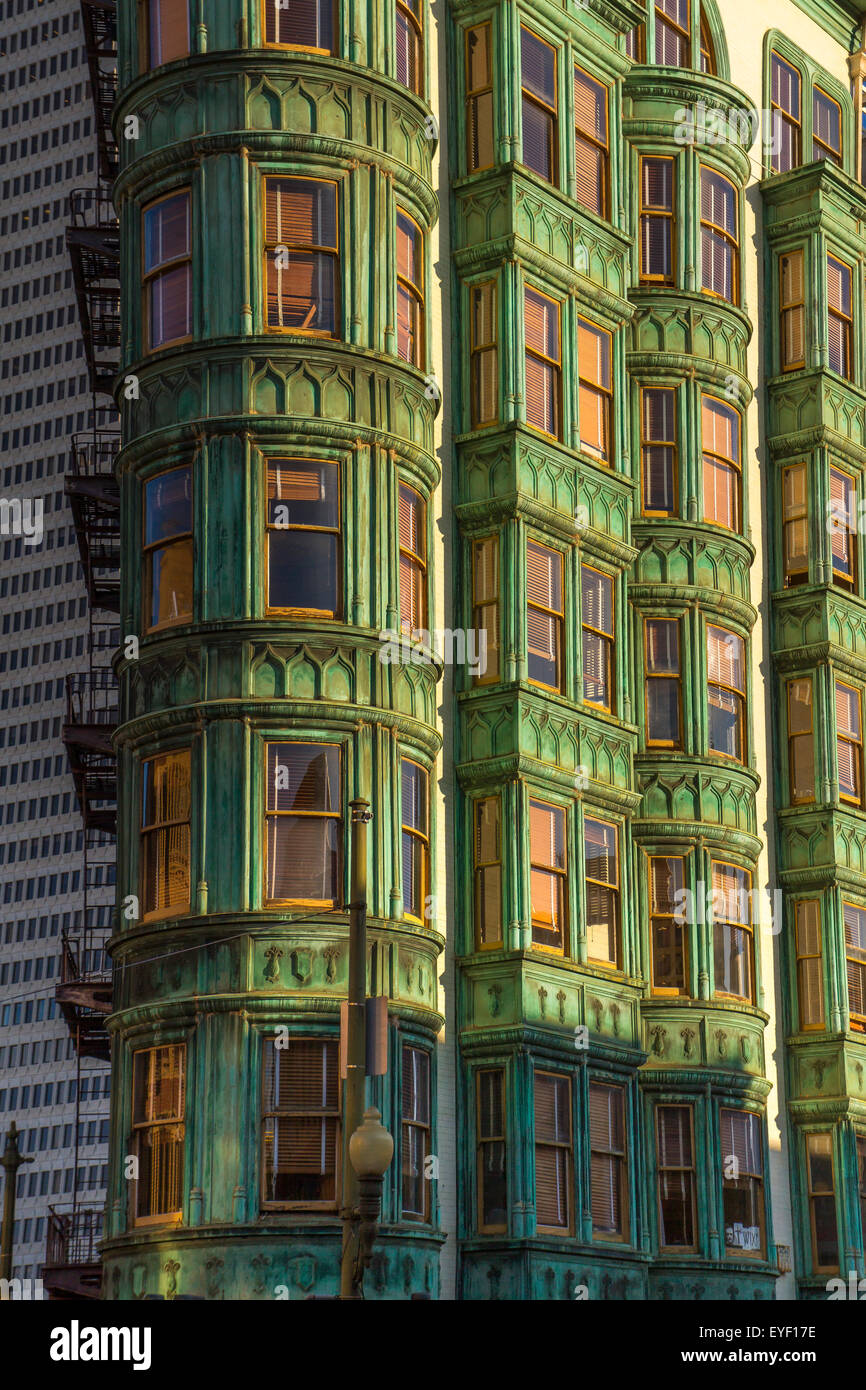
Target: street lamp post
(11,1161)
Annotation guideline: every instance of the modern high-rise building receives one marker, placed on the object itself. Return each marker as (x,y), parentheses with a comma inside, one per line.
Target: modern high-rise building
(56,892)
(493,395)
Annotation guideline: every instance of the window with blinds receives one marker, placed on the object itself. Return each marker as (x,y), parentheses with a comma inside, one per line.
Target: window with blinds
(543,363)
(663,682)
(548,874)
(726,693)
(591,143)
(409,36)
(301,270)
(413,559)
(792,311)
(158,1131)
(545,615)
(705,43)
(849,743)
(861,1180)
(733,947)
(415,1133)
(658,451)
(785,105)
(302,537)
(483,355)
(485,603)
(480,146)
(675,1165)
(667,925)
(539,104)
(826,127)
(742,1183)
(801,744)
(491,1157)
(487,815)
(842,523)
(840,321)
(410,290)
(168,270)
(168,31)
(165,843)
(657,219)
(595,390)
(855,962)
(822,1202)
(300,1123)
(553,1157)
(306,24)
(673,34)
(635,43)
(596,597)
(720,431)
(810,967)
(719,238)
(601,887)
(414,838)
(303,825)
(795,524)
(608,1170)
(168,549)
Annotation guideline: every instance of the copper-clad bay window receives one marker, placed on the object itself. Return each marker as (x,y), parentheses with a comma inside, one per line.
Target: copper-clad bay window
(159,1132)
(303,811)
(168,270)
(300,1123)
(165,834)
(301,255)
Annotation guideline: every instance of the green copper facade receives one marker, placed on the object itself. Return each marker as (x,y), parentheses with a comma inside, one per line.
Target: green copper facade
(556,412)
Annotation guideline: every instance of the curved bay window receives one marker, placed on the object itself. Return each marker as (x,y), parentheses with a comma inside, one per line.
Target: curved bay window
(663,682)
(726,691)
(720,445)
(159,1132)
(303,537)
(742,1182)
(168,549)
(849,743)
(167,31)
(413,559)
(548,873)
(414,1133)
(673,45)
(480,149)
(733,951)
(667,924)
(409,39)
(168,271)
(410,290)
(657,219)
(300,1122)
(304,24)
(855,964)
(165,837)
(414,838)
(539,105)
(719,237)
(658,451)
(601,872)
(301,256)
(302,813)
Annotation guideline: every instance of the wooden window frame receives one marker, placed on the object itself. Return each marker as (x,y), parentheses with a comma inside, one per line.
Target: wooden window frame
(845,320)
(477,353)
(551,112)
(559,877)
(735,465)
(408,1124)
(337,531)
(338,816)
(691,1169)
(416,27)
(562,1145)
(474,94)
(800,734)
(648,212)
(417,837)
(676,674)
(790,517)
(706,47)
(666,991)
(414,559)
(802,955)
(778,113)
(791,307)
(855,743)
(554,363)
(735,1252)
(150,277)
(741,697)
(142,1127)
(414,292)
(481,867)
(324,1113)
(311,248)
(300,47)
(860,1155)
(602,147)
(149,550)
(482,1140)
(812,1194)
(603,457)
(732,239)
(486,611)
(662,19)
(837,576)
(856,1021)
(647,443)
(614,888)
(729,924)
(559,621)
(833,156)
(617,1157)
(606,639)
(156,829)
(145,38)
